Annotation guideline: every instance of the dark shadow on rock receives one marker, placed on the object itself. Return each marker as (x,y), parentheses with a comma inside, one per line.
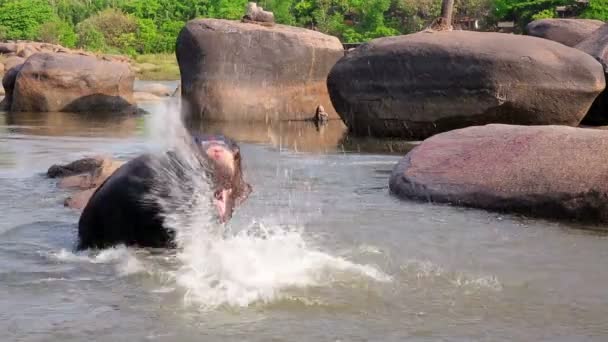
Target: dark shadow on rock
(101,103)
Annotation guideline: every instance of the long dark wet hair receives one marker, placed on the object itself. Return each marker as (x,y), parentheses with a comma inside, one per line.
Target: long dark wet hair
(240,188)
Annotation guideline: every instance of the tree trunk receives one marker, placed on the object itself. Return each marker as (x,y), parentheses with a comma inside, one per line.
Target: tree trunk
(446,12)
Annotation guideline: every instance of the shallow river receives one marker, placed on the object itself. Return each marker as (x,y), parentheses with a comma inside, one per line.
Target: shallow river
(319,252)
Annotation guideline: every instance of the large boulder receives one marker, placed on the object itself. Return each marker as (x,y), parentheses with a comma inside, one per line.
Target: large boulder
(60,82)
(547,171)
(8,84)
(417,85)
(234,71)
(596,45)
(566,31)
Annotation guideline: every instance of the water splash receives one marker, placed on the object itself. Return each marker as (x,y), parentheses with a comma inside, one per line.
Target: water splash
(259,263)
(222,267)
(124,259)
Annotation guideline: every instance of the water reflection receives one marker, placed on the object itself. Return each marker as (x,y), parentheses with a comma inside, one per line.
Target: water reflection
(304,137)
(298,136)
(293,135)
(109,125)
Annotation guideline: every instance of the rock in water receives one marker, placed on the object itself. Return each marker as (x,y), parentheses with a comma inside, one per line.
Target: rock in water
(8,83)
(233,71)
(86,175)
(58,82)
(85,165)
(417,85)
(156,89)
(566,31)
(547,171)
(145,97)
(596,45)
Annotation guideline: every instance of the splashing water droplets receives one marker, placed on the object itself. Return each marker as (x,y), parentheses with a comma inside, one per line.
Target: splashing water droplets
(219,266)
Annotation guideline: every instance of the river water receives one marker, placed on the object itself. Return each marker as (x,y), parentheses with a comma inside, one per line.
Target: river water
(319,252)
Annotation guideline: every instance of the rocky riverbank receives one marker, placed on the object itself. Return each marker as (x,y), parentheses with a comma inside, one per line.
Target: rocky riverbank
(448,87)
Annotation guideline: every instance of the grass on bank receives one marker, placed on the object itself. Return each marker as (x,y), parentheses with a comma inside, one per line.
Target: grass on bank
(156,67)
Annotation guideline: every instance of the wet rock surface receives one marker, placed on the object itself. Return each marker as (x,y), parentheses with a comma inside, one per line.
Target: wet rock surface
(596,45)
(417,85)
(555,172)
(83,176)
(56,82)
(234,71)
(566,31)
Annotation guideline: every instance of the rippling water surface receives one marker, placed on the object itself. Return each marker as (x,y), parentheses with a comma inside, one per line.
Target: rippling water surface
(319,252)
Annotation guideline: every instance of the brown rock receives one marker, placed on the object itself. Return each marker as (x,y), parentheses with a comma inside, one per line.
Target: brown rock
(555,172)
(155,89)
(8,47)
(233,71)
(12,62)
(145,97)
(566,31)
(8,84)
(596,45)
(51,82)
(86,165)
(85,175)
(417,85)
(26,52)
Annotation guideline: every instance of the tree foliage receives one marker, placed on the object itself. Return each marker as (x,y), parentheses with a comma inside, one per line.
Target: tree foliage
(598,9)
(22,19)
(524,11)
(152,26)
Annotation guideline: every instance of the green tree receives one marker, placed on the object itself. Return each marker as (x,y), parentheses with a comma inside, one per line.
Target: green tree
(597,9)
(283,10)
(147,36)
(118,29)
(524,11)
(544,14)
(90,38)
(168,35)
(227,9)
(57,32)
(22,18)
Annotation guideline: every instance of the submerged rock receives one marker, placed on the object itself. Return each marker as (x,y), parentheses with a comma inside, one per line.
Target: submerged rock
(145,97)
(566,31)
(58,82)
(84,175)
(155,89)
(417,85)
(555,172)
(85,165)
(233,71)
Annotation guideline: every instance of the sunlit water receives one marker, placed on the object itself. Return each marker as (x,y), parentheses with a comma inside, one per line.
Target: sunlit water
(319,252)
